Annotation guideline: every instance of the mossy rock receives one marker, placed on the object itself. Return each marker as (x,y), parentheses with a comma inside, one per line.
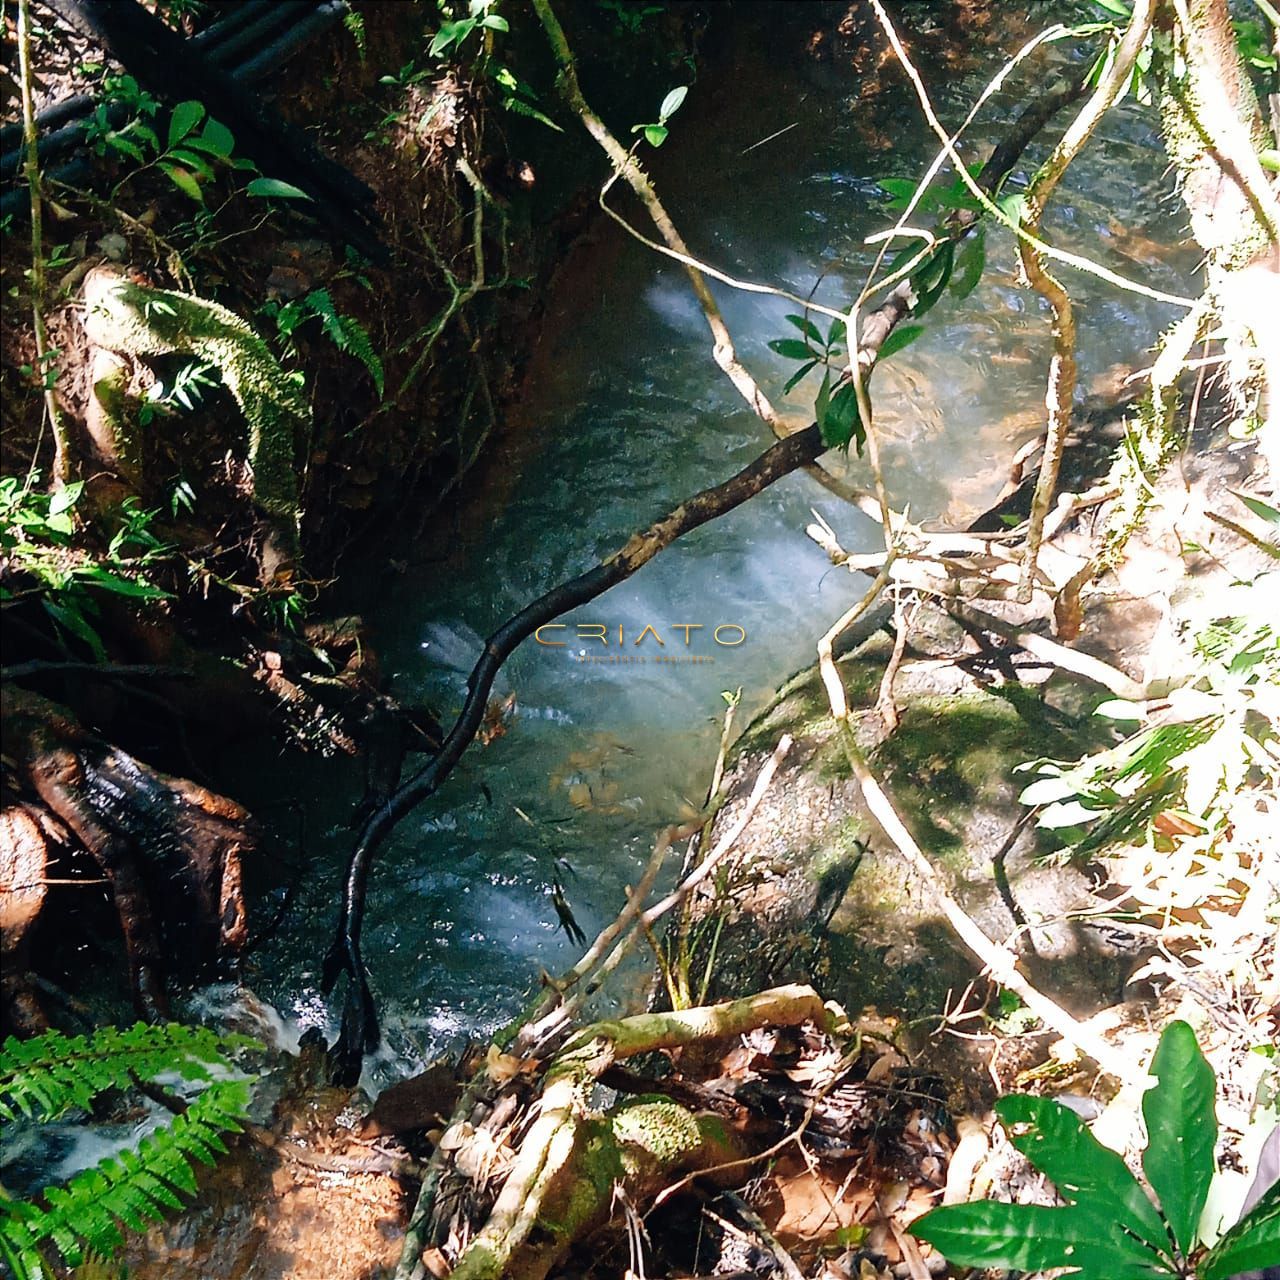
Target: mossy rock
(818,893)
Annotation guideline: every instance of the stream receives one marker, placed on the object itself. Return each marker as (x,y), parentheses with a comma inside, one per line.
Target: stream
(623,414)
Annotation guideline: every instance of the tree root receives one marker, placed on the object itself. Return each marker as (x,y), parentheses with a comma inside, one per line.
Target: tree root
(563,1179)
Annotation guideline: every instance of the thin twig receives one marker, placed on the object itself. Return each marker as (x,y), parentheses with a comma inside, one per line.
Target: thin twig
(44,370)
(1062,366)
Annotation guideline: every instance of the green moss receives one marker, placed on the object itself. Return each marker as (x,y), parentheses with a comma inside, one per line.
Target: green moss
(138,321)
(654,1131)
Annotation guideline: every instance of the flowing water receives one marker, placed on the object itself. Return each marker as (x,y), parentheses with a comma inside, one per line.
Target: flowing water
(623,415)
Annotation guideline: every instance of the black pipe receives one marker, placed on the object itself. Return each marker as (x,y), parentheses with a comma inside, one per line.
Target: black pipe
(220,43)
(54,144)
(81,104)
(284,13)
(244,12)
(275,55)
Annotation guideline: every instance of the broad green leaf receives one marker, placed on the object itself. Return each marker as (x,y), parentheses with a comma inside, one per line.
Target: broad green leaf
(806,326)
(1025,1237)
(495,22)
(66,497)
(184,180)
(185,117)
(190,160)
(1093,1177)
(274,187)
(1114,6)
(792,348)
(452,33)
(903,336)
(970,264)
(672,102)
(1252,1244)
(841,421)
(1181,1131)
(656,134)
(215,138)
(122,144)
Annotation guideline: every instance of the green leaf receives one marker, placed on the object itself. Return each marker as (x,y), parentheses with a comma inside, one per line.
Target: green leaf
(66,497)
(1263,510)
(452,33)
(841,421)
(185,117)
(903,336)
(795,377)
(184,180)
(95,575)
(806,326)
(69,617)
(190,160)
(792,349)
(1114,6)
(899,190)
(1085,1173)
(822,401)
(672,102)
(122,144)
(274,187)
(1181,1131)
(495,22)
(656,134)
(215,139)
(930,280)
(970,264)
(1013,206)
(1251,1245)
(1024,1237)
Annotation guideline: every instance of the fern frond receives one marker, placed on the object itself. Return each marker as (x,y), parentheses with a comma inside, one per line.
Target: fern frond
(46,1076)
(347,334)
(132,1189)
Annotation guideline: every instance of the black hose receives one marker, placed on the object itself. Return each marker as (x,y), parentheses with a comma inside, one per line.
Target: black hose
(285,13)
(52,145)
(81,104)
(262,64)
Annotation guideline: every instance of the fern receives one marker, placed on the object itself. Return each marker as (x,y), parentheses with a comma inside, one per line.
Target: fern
(347,334)
(44,1077)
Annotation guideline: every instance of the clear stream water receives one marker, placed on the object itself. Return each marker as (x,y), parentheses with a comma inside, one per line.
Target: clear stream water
(624,414)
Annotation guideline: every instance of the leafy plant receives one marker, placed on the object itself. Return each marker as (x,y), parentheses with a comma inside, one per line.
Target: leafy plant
(195,143)
(836,413)
(36,537)
(1179,774)
(480,17)
(345,332)
(655,134)
(44,1078)
(629,17)
(1110,1227)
